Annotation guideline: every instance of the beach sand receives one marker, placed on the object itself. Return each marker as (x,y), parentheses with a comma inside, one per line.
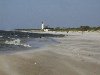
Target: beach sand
(76,54)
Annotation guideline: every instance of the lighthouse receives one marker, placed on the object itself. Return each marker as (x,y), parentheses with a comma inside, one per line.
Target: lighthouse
(42,26)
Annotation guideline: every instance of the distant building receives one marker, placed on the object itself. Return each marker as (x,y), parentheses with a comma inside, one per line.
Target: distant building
(45,28)
(42,27)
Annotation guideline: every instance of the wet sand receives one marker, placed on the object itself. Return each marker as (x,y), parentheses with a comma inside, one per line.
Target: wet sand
(74,55)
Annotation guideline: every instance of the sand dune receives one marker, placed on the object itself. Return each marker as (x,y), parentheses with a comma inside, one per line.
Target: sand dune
(74,55)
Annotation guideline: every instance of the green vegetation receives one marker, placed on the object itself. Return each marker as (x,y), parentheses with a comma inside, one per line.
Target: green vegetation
(81,28)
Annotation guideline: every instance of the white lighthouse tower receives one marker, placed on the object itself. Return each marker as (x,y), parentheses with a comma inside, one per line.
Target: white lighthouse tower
(42,27)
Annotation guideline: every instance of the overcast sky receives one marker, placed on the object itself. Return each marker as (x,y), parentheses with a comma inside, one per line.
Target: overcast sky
(63,13)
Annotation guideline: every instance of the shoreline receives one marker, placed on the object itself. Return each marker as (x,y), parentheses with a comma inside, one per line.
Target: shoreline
(74,55)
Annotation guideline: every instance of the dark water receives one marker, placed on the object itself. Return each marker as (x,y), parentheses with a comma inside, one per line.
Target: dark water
(33,42)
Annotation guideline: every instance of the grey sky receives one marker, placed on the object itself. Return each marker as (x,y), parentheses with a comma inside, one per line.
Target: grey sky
(64,13)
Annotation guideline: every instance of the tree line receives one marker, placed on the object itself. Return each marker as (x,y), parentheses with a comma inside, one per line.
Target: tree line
(81,28)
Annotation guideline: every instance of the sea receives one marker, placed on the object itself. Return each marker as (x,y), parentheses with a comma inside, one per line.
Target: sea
(22,44)
(13,41)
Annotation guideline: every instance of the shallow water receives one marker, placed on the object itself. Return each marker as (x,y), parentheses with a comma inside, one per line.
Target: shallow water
(32,42)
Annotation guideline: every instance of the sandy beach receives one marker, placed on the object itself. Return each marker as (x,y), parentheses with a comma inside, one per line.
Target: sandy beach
(75,54)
